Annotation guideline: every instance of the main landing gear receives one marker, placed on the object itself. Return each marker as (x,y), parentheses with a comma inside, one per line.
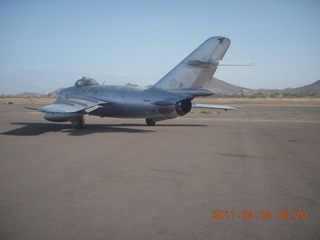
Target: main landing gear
(150,122)
(78,123)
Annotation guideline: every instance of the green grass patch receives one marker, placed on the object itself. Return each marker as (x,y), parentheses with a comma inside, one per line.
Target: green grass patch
(206,112)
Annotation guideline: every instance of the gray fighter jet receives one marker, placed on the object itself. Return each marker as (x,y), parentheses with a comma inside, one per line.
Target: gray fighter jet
(169,98)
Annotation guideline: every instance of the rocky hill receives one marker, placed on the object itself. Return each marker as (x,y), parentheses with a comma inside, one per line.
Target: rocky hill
(311,89)
(224,88)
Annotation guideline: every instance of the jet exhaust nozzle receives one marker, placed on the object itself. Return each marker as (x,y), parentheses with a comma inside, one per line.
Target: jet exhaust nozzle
(183,107)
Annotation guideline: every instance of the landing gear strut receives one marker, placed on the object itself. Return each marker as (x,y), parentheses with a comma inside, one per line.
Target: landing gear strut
(78,123)
(150,122)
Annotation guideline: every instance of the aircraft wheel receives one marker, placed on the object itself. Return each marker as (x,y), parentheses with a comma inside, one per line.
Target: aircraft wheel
(78,123)
(150,122)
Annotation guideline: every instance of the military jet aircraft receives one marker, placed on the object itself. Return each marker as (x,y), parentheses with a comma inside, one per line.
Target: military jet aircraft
(169,98)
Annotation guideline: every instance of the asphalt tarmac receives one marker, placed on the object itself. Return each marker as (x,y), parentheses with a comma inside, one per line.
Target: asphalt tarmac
(253,173)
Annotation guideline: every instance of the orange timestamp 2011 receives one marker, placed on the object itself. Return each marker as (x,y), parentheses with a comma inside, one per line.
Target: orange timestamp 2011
(262,214)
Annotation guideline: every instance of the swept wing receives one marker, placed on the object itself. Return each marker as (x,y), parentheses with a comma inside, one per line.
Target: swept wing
(198,105)
(73,105)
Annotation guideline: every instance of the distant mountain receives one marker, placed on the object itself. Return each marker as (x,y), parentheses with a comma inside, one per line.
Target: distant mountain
(221,87)
(29,94)
(312,89)
(224,88)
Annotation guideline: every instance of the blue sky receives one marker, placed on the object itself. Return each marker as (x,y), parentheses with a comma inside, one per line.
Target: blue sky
(50,44)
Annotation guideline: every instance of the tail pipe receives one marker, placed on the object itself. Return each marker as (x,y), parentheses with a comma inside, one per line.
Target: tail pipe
(183,107)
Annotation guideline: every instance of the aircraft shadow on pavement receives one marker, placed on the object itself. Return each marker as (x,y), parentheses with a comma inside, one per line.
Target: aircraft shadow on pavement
(165,125)
(34,129)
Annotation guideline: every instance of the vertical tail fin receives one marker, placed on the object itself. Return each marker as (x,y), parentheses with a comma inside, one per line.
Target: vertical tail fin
(196,70)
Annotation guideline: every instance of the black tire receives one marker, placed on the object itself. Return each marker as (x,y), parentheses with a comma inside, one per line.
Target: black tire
(150,122)
(78,123)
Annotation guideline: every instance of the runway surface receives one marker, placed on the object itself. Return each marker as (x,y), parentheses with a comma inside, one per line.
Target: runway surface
(119,179)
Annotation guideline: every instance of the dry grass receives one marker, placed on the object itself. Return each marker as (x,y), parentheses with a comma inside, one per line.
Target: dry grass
(28,100)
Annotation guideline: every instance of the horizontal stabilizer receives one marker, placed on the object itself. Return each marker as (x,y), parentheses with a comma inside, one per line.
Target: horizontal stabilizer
(198,105)
(236,64)
(203,64)
(195,92)
(206,64)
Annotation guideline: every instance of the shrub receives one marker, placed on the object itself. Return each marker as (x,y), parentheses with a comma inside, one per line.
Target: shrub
(206,112)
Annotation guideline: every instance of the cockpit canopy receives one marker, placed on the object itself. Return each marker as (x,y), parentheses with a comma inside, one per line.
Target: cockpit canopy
(85,81)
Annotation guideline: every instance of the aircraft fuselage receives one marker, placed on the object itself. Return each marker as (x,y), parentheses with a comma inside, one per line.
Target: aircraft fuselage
(132,101)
